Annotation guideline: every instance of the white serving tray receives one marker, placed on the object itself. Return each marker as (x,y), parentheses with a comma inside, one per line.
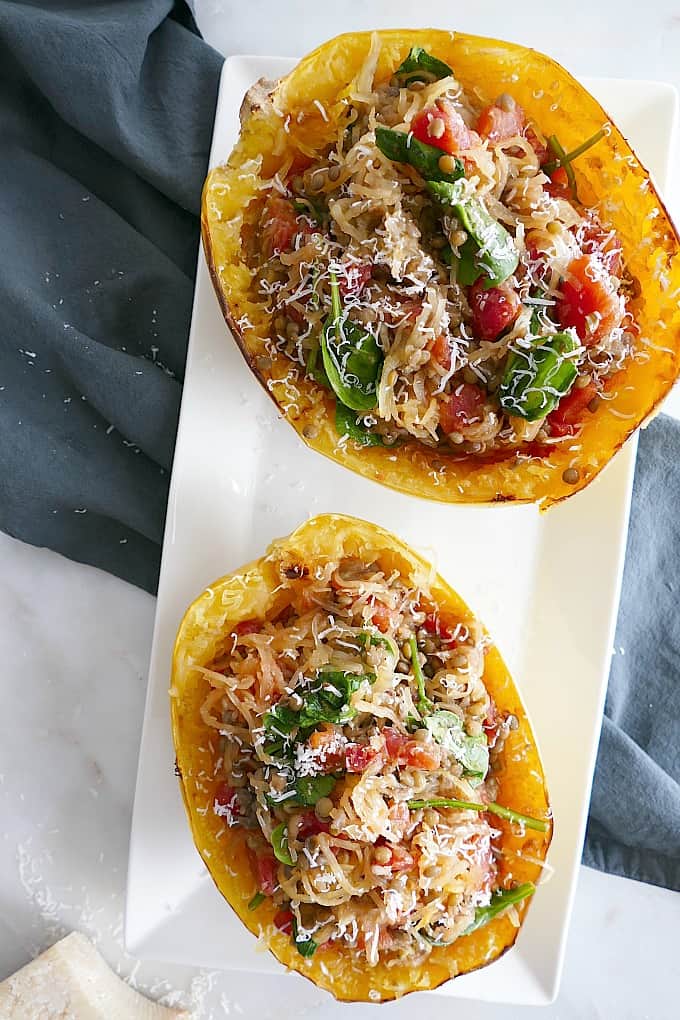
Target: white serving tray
(547,587)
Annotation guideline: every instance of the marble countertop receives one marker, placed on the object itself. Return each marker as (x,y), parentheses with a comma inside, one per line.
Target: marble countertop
(75,646)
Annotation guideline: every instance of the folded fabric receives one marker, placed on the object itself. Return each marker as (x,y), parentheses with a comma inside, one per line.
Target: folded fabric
(634,824)
(106,113)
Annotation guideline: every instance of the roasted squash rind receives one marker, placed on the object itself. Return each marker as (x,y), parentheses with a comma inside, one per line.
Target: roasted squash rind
(251,593)
(609,175)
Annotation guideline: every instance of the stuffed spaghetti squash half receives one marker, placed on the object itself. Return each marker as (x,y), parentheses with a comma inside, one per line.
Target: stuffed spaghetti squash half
(446,266)
(357,767)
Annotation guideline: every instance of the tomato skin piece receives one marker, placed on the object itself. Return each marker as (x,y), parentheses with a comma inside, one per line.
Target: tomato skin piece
(456,136)
(558,187)
(539,147)
(560,428)
(588,291)
(355,279)
(359,756)
(283,920)
(300,163)
(440,350)
(278,226)
(381,618)
(420,756)
(295,314)
(394,742)
(461,408)
(433,625)
(224,794)
(226,804)
(538,260)
(406,312)
(535,449)
(493,310)
(311,826)
(563,421)
(497,124)
(266,872)
(247,627)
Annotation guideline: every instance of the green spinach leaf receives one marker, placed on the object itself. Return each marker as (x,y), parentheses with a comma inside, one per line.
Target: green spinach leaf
(420,65)
(405,148)
(352,358)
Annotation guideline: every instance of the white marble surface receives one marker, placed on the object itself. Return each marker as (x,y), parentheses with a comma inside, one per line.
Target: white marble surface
(74,644)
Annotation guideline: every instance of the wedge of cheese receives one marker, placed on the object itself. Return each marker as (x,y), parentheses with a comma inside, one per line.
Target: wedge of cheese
(71,981)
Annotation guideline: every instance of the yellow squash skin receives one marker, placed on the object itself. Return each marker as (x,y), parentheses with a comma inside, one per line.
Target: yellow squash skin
(608,174)
(251,593)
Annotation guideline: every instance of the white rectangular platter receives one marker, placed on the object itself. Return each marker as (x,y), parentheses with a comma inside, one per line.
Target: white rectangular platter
(547,588)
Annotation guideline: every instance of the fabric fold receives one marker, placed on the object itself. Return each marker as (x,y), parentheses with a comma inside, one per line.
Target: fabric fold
(106,113)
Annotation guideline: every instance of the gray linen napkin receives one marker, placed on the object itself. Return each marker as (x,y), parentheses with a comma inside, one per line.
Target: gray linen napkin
(634,824)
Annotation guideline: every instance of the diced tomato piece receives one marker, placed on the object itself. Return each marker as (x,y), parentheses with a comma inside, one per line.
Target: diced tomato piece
(442,126)
(558,186)
(382,617)
(295,314)
(589,300)
(461,408)
(563,421)
(266,872)
(597,240)
(300,163)
(279,226)
(485,859)
(558,428)
(493,310)
(311,826)
(400,858)
(539,147)
(247,627)
(497,123)
(394,741)
(406,311)
(535,449)
(491,734)
(440,349)
(224,794)
(433,625)
(420,756)
(359,756)
(538,260)
(536,254)
(283,920)
(355,278)
(226,803)
(533,250)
